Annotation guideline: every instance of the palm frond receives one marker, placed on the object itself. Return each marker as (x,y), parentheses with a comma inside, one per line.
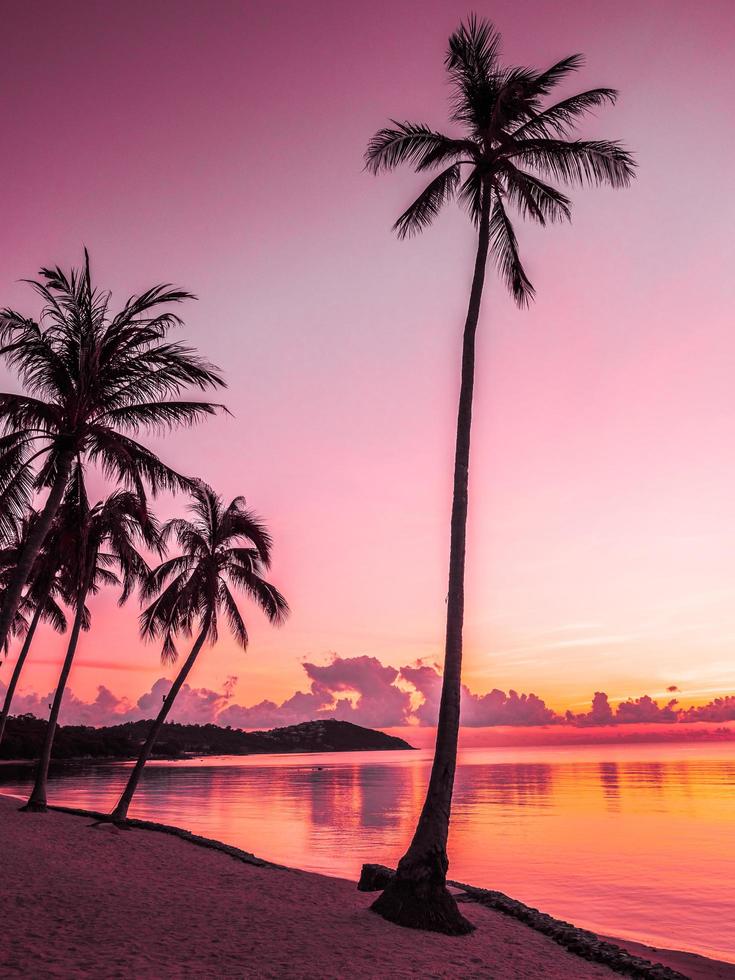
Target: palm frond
(158,576)
(237,522)
(156,296)
(17,487)
(504,249)
(23,412)
(414,143)
(472,56)
(157,416)
(39,363)
(191,538)
(550,78)
(560,119)
(139,371)
(169,653)
(53,614)
(234,618)
(533,198)
(429,203)
(470,195)
(590,162)
(265,595)
(126,460)
(472,65)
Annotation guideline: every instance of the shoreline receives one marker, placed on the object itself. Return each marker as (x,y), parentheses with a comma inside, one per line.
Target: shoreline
(194,756)
(333,897)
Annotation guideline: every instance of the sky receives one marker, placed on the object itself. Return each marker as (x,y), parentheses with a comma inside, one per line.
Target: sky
(219,147)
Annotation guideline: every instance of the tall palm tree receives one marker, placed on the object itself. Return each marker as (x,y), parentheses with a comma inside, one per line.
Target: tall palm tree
(509,145)
(39,604)
(99,548)
(221,548)
(92,381)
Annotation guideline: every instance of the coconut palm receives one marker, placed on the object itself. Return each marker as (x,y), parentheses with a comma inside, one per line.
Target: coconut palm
(98,545)
(508,148)
(222,548)
(92,381)
(37,605)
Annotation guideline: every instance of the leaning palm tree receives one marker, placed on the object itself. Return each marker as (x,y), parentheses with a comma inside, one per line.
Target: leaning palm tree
(221,548)
(39,604)
(99,548)
(508,147)
(92,381)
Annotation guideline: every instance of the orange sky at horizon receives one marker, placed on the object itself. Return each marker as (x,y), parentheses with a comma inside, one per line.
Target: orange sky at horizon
(601,551)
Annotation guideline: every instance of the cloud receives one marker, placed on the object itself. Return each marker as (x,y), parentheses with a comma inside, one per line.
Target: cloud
(600,714)
(373,699)
(498,708)
(193,705)
(647,710)
(478,710)
(366,692)
(630,712)
(720,709)
(103,710)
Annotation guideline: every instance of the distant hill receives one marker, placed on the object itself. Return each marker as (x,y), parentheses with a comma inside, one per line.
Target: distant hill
(24,736)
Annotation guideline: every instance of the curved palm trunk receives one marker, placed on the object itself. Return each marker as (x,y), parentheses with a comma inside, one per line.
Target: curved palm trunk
(37,800)
(418,897)
(120,813)
(33,545)
(17,670)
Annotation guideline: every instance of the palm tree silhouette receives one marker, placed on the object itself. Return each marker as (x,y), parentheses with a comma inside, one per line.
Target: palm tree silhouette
(510,145)
(221,547)
(37,605)
(92,381)
(97,547)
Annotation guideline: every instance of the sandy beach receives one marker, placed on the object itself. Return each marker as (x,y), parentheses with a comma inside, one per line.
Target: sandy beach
(96,901)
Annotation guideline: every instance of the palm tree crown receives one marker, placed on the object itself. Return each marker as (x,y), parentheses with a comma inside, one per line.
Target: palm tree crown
(92,381)
(221,547)
(508,134)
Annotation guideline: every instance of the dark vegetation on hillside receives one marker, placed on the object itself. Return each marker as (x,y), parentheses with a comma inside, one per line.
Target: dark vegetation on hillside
(24,737)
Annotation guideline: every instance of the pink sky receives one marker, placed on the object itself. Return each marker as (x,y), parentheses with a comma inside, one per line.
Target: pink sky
(220,147)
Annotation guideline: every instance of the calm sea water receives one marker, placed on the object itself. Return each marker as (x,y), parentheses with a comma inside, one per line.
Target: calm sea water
(631,840)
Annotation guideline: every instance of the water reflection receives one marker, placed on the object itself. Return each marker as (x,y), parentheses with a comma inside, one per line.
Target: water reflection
(382,801)
(610,782)
(629,839)
(509,785)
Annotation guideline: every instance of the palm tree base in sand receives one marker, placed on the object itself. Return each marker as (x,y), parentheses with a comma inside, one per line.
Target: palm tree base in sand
(416,895)
(422,905)
(34,806)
